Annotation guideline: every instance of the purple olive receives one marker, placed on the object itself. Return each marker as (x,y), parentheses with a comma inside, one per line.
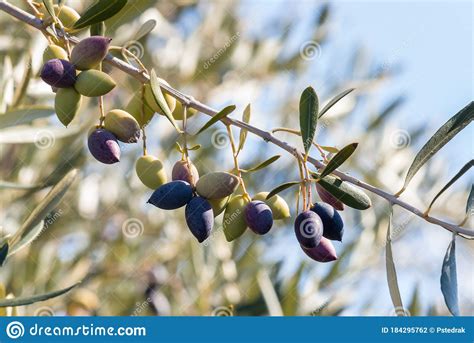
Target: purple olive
(329,198)
(58,73)
(332,221)
(324,252)
(89,52)
(259,217)
(103,146)
(172,195)
(308,229)
(200,218)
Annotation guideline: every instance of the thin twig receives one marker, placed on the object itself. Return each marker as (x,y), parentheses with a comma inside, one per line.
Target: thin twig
(143,77)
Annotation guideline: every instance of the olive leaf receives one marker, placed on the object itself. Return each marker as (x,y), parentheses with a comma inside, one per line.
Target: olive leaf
(24,115)
(460,173)
(98,29)
(444,134)
(48,4)
(391,271)
(243,132)
(22,88)
(99,11)
(261,165)
(386,112)
(334,101)
(469,205)
(344,192)
(309,105)
(4,253)
(330,149)
(37,135)
(220,115)
(45,206)
(178,147)
(145,29)
(160,99)
(281,188)
(449,282)
(339,159)
(27,239)
(13,185)
(35,298)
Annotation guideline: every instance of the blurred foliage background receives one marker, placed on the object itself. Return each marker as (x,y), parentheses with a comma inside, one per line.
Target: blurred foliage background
(209,50)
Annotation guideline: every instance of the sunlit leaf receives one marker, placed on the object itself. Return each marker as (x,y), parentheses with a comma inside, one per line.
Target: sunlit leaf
(243,132)
(262,165)
(460,173)
(222,114)
(329,149)
(48,4)
(145,29)
(27,239)
(160,99)
(24,115)
(309,106)
(99,11)
(392,272)
(334,101)
(444,134)
(35,298)
(339,159)
(281,188)
(449,282)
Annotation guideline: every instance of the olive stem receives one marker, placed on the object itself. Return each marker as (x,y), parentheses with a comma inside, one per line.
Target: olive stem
(265,135)
(236,162)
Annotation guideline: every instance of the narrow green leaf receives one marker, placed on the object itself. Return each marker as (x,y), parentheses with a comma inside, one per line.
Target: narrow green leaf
(281,188)
(334,101)
(460,173)
(145,29)
(223,113)
(344,192)
(444,134)
(24,115)
(331,149)
(45,206)
(160,99)
(3,253)
(48,4)
(415,307)
(449,279)
(35,298)
(469,205)
(243,132)
(339,159)
(99,11)
(98,29)
(309,106)
(27,239)
(21,89)
(262,165)
(392,272)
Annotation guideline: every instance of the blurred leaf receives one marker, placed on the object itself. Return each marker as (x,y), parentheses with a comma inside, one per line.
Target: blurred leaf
(385,114)
(345,192)
(24,115)
(243,132)
(195,147)
(160,99)
(45,206)
(449,282)
(415,307)
(281,188)
(3,253)
(291,299)
(444,134)
(178,147)
(222,114)
(469,205)
(13,185)
(145,29)
(460,173)
(48,4)
(35,298)
(98,29)
(40,135)
(334,101)
(27,239)
(99,11)
(309,105)
(330,149)
(262,165)
(339,159)
(23,87)
(391,271)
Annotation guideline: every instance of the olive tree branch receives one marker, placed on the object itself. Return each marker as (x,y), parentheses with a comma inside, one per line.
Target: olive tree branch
(143,77)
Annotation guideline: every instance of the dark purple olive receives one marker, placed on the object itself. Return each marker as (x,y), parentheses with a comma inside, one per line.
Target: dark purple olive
(200,218)
(308,229)
(259,217)
(58,73)
(332,221)
(172,195)
(324,252)
(103,146)
(329,198)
